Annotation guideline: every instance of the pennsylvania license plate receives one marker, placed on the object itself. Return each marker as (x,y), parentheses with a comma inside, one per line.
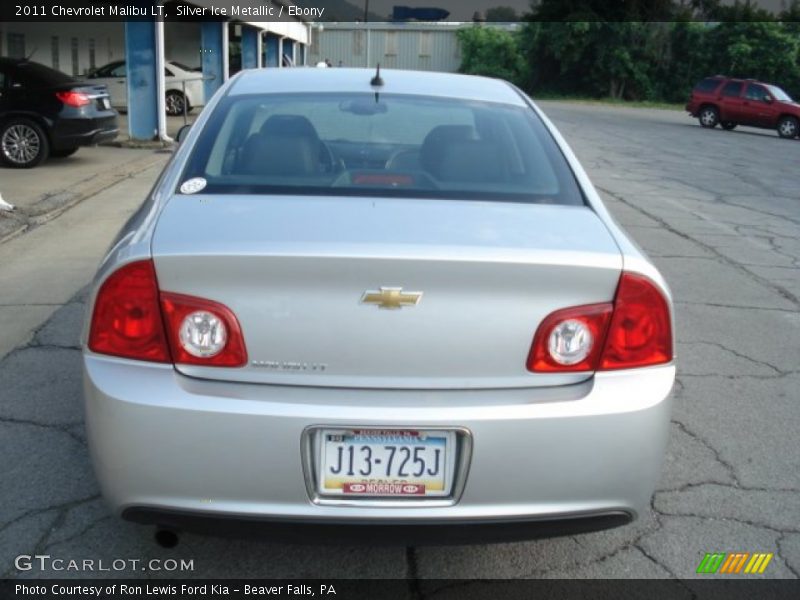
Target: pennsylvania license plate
(387,463)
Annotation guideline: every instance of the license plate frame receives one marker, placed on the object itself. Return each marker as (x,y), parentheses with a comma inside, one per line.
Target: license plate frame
(456,464)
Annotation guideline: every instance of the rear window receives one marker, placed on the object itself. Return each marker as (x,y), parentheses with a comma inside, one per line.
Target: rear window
(34,74)
(707,85)
(387,145)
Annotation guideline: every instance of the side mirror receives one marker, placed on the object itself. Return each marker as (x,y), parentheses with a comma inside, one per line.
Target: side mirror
(182,133)
(768,99)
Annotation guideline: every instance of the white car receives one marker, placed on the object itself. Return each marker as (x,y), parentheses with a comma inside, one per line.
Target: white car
(184,86)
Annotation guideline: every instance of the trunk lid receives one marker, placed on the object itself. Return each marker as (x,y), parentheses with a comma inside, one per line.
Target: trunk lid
(294,270)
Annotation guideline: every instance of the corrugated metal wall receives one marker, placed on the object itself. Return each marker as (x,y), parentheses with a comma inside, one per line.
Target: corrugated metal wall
(424,49)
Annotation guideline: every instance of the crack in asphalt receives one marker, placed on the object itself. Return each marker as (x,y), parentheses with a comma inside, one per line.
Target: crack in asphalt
(38,511)
(62,428)
(695,436)
(781,554)
(737,354)
(735,306)
(749,488)
(739,376)
(62,509)
(92,524)
(780,290)
(658,563)
(756,524)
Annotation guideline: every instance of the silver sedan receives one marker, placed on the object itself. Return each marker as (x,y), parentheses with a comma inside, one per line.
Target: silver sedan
(390,305)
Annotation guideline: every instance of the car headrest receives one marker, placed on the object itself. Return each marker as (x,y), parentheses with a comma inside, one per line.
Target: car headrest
(438,141)
(289,126)
(280,156)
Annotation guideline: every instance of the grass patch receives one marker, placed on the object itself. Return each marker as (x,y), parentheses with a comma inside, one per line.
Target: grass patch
(680,106)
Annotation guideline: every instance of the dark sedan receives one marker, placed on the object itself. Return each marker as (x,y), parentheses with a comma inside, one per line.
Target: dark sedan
(44,112)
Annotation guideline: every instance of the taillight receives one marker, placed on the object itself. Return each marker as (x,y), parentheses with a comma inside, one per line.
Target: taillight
(75,99)
(202,332)
(634,331)
(126,320)
(640,333)
(570,339)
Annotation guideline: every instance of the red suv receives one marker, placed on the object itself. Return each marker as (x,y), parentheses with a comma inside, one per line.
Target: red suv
(732,102)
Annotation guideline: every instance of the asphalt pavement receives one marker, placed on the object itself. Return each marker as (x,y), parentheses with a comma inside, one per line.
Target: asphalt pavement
(719,212)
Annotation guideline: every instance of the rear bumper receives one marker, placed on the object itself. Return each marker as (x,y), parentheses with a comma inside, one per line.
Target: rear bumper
(70,133)
(441,532)
(165,444)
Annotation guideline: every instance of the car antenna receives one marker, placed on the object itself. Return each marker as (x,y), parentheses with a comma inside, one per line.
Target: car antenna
(377,80)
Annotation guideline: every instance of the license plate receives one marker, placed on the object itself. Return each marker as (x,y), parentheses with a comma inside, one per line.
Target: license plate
(105,103)
(406,463)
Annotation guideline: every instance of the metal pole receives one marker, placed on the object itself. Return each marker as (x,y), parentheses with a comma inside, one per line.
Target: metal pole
(185,115)
(366,24)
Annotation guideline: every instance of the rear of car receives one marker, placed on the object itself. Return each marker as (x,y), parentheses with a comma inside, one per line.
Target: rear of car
(44,112)
(184,88)
(397,308)
(702,93)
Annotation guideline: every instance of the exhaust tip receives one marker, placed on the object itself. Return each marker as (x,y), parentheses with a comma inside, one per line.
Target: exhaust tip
(166,538)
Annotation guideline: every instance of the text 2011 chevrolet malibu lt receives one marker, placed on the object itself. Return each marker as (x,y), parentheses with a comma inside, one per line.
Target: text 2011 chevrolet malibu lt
(377,304)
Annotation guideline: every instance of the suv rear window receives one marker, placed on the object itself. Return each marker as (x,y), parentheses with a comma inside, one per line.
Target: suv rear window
(707,85)
(393,145)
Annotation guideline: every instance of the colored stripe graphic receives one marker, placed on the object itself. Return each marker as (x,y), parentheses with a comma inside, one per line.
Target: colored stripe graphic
(759,562)
(734,562)
(711,562)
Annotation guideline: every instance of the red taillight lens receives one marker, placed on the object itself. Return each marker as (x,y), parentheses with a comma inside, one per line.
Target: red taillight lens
(202,332)
(640,333)
(74,99)
(634,331)
(588,325)
(127,320)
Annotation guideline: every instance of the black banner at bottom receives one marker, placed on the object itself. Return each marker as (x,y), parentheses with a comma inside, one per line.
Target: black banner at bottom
(400,589)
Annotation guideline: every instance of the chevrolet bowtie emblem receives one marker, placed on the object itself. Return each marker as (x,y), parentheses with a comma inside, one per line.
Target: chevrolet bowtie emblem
(391,297)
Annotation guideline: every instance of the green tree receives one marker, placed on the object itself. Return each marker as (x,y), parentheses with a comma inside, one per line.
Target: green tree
(491,51)
(765,50)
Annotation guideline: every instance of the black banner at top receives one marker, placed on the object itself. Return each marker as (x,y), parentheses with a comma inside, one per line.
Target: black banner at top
(401,11)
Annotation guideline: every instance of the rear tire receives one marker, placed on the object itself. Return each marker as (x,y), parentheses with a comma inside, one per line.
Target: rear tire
(23,143)
(728,125)
(708,116)
(788,127)
(63,153)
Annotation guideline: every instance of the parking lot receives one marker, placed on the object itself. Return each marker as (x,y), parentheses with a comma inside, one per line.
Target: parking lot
(719,212)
